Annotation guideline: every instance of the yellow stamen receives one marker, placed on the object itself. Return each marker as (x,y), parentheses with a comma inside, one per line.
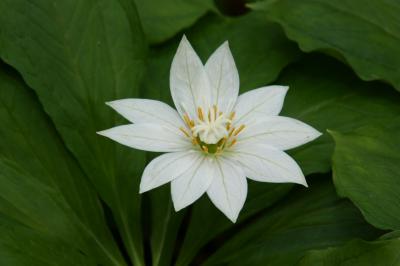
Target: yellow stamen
(184,132)
(200,113)
(209,116)
(222,142)
(204,148)
(232,143)
(187,120)
(228,126)
(219,150)
(239,130)
(231,132)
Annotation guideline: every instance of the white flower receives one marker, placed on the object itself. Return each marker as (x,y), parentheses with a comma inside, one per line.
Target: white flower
(216,138)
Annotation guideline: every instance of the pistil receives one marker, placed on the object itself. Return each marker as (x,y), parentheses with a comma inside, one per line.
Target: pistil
(212,133)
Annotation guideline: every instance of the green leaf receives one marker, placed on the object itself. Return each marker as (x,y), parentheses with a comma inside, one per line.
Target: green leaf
(21,245)
(326,95)
(310,218)
(357,252)
(365,33)
(77,55)
(259,60)
(367,171)
(163,19)
(47,207)
(165,224)
(259,48)
(207,222)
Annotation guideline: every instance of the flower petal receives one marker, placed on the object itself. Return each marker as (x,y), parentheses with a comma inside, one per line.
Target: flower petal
(165,168)
(148,137)
(228,191)
(224,78)
(188,81)
(265,101)
(192,184)
(147,111)
(267,164)
(278,131)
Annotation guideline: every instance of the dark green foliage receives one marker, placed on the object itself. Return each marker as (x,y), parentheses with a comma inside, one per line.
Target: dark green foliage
(70,197)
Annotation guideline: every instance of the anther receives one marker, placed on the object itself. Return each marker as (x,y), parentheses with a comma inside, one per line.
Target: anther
(219,150)
(215,112)
(231,116)
(187,120)
(200,113)
(232,143)
(204,148)
(237,131)
(184,132)
(222,142)
(231,132)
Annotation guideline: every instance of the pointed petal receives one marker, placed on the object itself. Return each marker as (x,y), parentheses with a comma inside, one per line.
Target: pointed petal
(147,111)
(278,131)
(188,81)
(165,168)
(228,191)
(224,78)
(192,184)
(267,164)
(148,137)
(265,101)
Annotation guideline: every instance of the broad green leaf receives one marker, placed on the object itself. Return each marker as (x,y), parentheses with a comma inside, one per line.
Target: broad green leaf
(391,235)
(163,19)
(365,33)
(311,218)
(367,171)
(207,222)
(46,203)
(21,246)
(77,55)
(327,95)
(356,252)
(261,51)
(259,48)
(165,224)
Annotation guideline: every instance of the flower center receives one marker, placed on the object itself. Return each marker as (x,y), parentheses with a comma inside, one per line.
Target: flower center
(212,132)
(213,128)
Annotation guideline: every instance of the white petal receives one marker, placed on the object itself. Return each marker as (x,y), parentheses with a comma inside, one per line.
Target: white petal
(147,111)
(224,78)
(267,164)
(165,168)
(188,81)
(228,191)
(265,101)
(278,131)
(148,137)
(192,184)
